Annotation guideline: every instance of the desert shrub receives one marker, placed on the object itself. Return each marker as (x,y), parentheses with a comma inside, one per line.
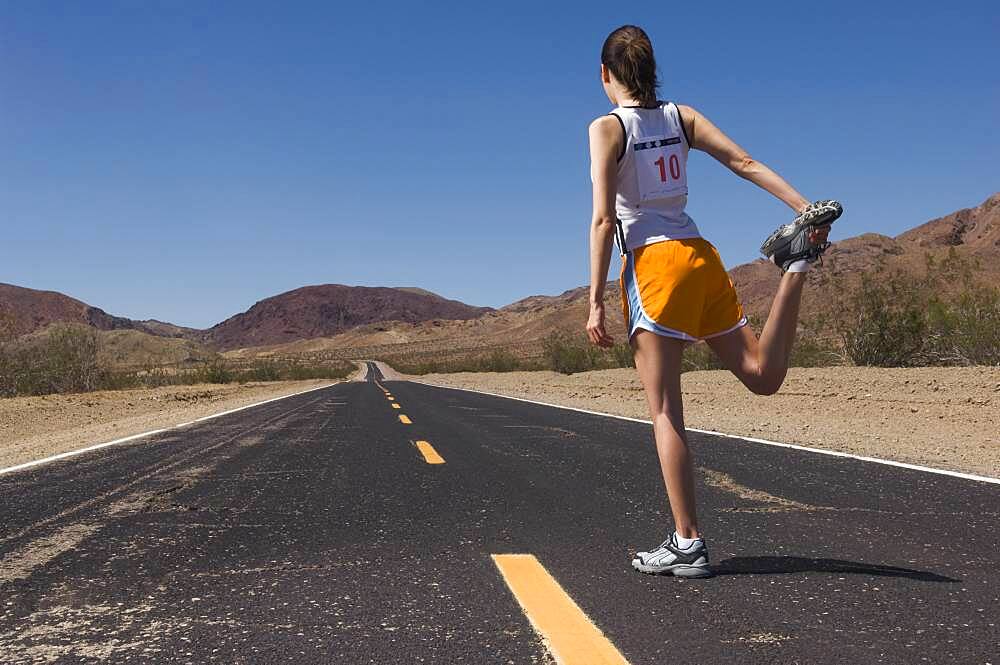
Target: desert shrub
(299,371)
(945,317)
(500,360)
(886,326)
(68,359)
(811,351)
(621,355)
(264,372)
(65,360)
(154,377)
(8,384)
(214,372)
(965,330)
(570,354)
(560,352)
(71,357)
(222,372)
(7,326)
(415,368)
(699,357)
(121,381)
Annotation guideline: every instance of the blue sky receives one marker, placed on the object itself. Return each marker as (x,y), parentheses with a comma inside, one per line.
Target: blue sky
(182,160)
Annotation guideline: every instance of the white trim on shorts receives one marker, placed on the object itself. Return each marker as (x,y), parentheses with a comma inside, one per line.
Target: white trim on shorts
(739,324)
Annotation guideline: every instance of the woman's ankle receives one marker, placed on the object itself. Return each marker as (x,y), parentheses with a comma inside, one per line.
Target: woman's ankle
(689,532)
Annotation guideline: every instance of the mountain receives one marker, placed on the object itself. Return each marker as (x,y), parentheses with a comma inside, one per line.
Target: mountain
(28,314)
(328,309)
(24,311)
(308,312)
(27,310)
(519,327)
(974,230)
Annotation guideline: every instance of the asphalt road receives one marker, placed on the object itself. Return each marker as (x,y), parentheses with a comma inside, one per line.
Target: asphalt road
(314,530)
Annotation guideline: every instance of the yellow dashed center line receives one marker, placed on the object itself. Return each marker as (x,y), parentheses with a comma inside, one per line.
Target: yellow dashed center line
(396,406)
(430,455)
(404,419)
(568,632)
(389,397)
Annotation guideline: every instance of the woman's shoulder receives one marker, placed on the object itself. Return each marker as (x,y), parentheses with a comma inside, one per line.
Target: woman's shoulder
(688,116)
(605,124)
(683,108)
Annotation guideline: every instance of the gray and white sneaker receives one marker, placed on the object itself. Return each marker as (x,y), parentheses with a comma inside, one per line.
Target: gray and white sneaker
(669,559)
(790,242)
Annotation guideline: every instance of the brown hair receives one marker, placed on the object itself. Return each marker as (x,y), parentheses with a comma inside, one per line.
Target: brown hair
(628,53)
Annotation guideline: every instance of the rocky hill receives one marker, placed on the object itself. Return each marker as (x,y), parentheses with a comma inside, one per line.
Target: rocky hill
(24,311)
(329,309)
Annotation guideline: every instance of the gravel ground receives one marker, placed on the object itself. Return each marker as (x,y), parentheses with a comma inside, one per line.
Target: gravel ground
(945,417)
(36,427)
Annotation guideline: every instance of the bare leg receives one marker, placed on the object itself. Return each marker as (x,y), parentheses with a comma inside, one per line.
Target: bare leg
(762,365)
(658,360)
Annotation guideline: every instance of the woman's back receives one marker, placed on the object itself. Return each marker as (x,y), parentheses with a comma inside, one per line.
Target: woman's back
(652,176)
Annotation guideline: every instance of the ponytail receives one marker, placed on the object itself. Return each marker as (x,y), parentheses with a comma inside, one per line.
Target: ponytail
(628,54)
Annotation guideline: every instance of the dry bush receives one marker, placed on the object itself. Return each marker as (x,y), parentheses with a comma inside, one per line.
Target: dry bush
(68,359)
(945,317)
(497,360)
(569,354)
(7,367)
(64,360)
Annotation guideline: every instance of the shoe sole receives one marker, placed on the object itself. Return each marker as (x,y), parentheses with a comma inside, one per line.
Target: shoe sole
(677,570)
(827,214)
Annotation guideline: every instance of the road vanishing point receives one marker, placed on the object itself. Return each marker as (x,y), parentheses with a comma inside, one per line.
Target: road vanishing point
(396,522)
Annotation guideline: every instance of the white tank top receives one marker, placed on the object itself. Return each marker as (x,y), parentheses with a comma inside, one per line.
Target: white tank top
(652,177)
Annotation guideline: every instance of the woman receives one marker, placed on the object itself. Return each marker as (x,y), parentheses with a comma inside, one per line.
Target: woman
(675,289)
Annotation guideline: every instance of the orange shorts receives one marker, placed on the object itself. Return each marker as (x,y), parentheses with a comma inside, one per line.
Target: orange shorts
(679,288)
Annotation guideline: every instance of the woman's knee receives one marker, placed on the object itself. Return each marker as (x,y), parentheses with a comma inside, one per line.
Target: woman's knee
(765,384)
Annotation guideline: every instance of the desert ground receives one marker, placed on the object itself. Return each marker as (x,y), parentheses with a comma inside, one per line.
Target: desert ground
(36,427)
(945,417)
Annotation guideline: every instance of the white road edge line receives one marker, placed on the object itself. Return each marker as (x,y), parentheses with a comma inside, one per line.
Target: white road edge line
(80,451)
(832,453)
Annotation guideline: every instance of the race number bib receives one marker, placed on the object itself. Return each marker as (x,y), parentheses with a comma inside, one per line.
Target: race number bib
(659,167)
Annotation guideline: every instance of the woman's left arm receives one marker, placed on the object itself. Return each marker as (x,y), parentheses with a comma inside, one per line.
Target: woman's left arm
(605,144)
(707,137)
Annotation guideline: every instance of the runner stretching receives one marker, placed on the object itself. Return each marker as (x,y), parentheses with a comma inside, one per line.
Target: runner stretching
(674,287)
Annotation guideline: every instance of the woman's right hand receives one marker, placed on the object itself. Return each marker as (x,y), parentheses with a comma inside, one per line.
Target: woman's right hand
(595,328)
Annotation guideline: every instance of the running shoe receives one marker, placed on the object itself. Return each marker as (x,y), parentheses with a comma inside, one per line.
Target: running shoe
(790,242)
(669,559)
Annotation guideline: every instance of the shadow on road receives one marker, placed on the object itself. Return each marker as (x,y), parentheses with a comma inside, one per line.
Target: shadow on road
(777,565)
